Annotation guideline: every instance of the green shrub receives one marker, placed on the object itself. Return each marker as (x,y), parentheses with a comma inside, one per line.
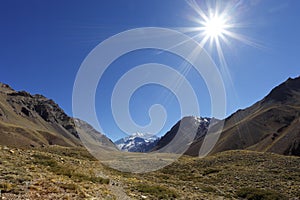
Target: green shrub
(94,179)
(155,190)
(74,152)
(6,187)
(208,189)
(259,194)
(210,171)
(44,160)
(69,186)
(58,169)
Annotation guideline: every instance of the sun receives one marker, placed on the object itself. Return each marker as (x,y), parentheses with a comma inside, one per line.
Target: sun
(214,26)
(217,24)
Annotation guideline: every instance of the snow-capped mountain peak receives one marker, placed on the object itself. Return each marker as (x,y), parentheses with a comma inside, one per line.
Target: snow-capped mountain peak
(137,142)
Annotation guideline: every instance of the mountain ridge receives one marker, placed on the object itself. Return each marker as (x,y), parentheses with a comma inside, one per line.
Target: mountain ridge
(33,120)
(269,125)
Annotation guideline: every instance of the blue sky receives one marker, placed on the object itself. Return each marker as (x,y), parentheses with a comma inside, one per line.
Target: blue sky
(43,43)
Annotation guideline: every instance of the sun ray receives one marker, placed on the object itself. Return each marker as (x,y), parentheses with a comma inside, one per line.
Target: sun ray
(204,40)
(217,26)
(244,39)
(195,6)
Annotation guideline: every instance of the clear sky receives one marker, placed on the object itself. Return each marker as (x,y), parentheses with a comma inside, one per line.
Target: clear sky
(43,43)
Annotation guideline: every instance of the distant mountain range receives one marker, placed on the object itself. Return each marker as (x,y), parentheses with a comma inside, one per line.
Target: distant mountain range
(270,125)
(138,142)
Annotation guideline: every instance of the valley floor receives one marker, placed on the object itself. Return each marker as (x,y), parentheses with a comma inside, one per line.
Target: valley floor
(71,173)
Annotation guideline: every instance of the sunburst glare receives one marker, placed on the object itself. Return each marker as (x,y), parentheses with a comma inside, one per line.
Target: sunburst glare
(216,26)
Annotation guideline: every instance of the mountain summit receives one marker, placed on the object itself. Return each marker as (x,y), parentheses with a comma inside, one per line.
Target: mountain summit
(138,142)
(184,127)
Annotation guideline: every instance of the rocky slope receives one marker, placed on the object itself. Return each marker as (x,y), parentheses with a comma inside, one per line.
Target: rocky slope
(34,120)
(184,127)
(270,125)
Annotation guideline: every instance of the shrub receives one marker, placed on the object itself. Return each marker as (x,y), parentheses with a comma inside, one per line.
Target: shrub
(74,152)
(69,186)
(208,189)
(44,160)
(158,191)
(58,169)
(94,179)
(210,171)
(259,194)
(6,187)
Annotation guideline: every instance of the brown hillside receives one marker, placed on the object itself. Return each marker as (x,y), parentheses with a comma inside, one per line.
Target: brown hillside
(270,125)
(33,120)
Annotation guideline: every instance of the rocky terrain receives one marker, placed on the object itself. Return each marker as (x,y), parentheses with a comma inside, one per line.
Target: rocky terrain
(28,120)
(56,172)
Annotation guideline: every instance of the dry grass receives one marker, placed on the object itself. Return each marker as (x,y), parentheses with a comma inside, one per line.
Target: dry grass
(71,173)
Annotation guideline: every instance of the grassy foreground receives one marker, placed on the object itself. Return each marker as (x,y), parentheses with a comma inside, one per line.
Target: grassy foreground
(71,173)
